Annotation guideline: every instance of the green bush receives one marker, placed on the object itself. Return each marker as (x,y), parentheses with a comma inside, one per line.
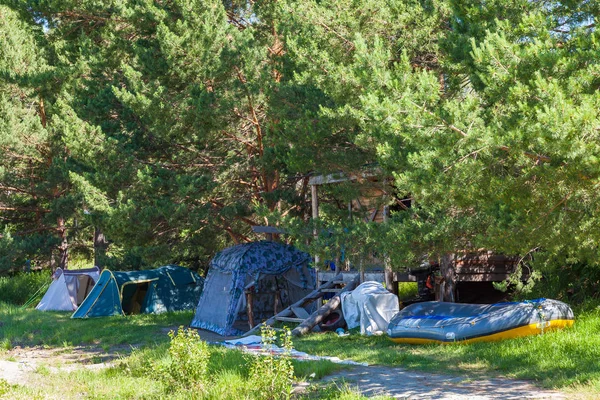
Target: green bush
(186,370)
(21,287)
(272,377)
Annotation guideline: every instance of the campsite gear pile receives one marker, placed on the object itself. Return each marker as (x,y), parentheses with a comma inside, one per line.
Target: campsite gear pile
(370,306)
(251,281)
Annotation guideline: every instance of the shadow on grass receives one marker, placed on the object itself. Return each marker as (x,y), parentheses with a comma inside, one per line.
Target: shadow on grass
(56,329)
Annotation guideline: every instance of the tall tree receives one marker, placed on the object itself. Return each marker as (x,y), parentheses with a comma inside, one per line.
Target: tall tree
(36,203)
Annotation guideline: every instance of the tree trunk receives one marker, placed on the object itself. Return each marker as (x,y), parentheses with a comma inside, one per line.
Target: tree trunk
(100,246)
(63,249)
(389,274)
(448,273)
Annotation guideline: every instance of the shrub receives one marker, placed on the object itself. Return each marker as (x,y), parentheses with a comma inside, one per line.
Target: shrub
(187,367)
(21,287)
(272,377)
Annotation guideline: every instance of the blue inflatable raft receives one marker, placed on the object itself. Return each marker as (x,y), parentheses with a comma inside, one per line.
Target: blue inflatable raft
(439,322)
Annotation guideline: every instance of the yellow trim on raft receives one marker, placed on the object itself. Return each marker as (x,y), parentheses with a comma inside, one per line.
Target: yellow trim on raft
(527,330)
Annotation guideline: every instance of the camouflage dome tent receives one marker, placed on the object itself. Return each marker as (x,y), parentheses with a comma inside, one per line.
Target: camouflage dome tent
(270,269)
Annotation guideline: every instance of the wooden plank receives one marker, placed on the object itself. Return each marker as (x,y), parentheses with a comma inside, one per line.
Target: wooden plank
(300,312)
(289,319)
(377,276)
(490,269)
(403,277)
(348,276)
(481,277)
(331,290)
(267,229)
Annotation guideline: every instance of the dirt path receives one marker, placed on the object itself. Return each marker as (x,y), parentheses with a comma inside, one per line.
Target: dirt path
(19,366)
(403,384)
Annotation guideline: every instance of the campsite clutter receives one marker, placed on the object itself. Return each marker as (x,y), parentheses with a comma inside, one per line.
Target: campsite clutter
(254,344)
(370,306)
(272,282)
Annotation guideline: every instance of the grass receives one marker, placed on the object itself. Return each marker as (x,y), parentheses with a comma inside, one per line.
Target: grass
(131,376)
(29,327)
(21,287)
(561,359)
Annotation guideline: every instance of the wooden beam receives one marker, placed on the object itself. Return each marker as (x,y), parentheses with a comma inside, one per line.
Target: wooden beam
(267,229)
(319,315)
(315,213)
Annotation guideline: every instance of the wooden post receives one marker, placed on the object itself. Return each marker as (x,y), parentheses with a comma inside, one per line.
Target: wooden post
(315,214)
(277,302)
(100,246)
(389,274)
(249,309)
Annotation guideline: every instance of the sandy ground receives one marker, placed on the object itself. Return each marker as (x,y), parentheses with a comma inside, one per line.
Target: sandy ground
(403,384)
(19,365)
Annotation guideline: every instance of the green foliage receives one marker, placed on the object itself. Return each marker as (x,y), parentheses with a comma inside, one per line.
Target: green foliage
(174,126)
(271,376)
(19,288)
(187,368)
(4,387)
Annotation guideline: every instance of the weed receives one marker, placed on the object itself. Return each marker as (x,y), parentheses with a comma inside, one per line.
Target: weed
(5,344)
(43,370)
(188,364)
(19,288)
(4,387)
(272,377)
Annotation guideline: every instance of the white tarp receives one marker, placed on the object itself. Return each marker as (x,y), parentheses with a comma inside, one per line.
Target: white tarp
(68,289)
(369,306)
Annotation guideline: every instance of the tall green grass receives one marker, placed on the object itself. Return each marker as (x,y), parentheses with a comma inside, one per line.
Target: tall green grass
(19,288)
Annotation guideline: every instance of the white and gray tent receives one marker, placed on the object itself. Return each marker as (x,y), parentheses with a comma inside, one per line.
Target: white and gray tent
(68,289)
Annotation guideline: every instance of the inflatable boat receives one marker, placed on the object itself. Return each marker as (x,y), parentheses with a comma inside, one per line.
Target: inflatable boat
(439,322)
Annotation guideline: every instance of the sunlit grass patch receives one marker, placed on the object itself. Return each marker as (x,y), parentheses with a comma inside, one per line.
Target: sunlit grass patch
(557,359)
(30,327)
